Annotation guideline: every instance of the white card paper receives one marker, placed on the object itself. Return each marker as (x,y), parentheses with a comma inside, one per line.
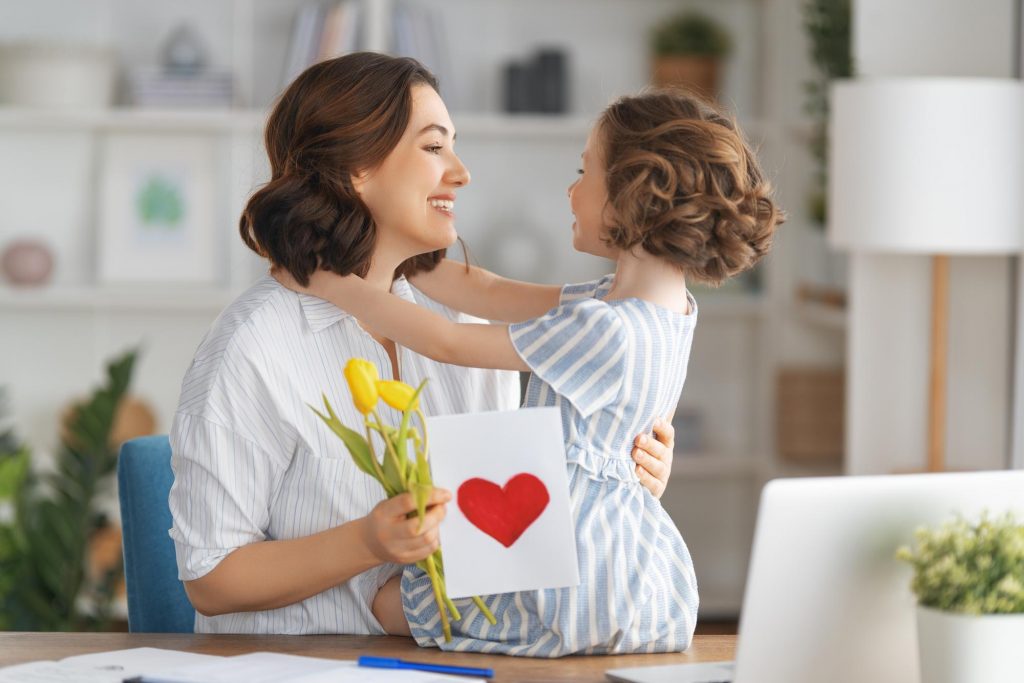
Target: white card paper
(513,453)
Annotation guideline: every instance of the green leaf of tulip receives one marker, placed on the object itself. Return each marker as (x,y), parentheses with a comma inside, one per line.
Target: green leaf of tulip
(354,441)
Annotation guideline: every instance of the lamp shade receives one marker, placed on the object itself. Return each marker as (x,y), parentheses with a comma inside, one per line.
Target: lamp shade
(927,165)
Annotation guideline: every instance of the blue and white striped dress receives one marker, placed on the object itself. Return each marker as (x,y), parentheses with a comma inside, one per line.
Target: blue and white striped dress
(612,367)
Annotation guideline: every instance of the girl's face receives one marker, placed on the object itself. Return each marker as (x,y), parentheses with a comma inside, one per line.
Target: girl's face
(588,197)
(411,195)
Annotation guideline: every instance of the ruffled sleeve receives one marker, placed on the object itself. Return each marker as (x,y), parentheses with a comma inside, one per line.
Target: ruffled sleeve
(579,349)
(587,290)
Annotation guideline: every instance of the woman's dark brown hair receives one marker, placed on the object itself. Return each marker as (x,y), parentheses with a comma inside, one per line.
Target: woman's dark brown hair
(684,185)
(338,118)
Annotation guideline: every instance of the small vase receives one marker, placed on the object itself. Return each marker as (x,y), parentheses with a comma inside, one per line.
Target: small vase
(695,72)
(26,263)
(963,648)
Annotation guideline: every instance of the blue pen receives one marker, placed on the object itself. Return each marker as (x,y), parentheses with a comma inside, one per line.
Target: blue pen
(391,663)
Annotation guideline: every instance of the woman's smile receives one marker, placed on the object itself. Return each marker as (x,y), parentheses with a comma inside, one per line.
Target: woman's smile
(444,204)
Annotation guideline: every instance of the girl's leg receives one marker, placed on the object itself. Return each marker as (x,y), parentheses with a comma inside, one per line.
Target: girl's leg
(387,608)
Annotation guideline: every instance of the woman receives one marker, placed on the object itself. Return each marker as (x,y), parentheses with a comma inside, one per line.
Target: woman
(275,529)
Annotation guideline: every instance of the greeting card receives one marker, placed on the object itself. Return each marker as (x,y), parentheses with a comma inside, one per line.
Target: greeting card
(510,526)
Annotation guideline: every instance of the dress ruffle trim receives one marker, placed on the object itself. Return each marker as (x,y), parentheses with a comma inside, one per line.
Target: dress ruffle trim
(601,465)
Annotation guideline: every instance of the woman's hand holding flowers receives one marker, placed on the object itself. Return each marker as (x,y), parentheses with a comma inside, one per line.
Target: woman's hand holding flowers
(392,536)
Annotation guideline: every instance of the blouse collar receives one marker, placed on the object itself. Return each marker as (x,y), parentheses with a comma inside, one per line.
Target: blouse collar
(321,314)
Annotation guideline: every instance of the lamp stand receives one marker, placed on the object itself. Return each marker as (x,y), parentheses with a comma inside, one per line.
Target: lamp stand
(939,364)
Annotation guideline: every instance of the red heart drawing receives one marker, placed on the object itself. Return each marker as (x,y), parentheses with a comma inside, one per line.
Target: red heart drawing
(503,513)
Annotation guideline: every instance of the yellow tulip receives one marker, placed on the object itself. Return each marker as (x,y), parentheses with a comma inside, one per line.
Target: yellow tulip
(398,395)
(362,380)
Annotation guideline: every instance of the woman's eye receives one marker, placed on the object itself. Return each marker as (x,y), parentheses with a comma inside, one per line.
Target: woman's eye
(579,171)
(434,149)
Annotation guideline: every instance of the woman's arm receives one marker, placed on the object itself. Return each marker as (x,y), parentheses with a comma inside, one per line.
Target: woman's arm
(485,295)
(412,326)
(272,574)
(652,454)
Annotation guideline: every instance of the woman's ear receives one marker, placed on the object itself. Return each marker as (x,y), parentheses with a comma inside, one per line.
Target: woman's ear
(358,181)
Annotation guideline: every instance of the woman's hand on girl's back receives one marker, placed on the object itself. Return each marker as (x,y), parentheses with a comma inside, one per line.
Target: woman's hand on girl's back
(391,536)
(653,457)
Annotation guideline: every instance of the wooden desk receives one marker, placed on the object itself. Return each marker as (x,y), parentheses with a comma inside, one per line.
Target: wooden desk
(25,647)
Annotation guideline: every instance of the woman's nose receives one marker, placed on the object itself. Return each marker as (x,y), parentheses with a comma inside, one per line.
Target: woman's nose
(458,174)
(568,192)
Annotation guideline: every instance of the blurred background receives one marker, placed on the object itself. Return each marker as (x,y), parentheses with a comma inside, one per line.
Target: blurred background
(130,139)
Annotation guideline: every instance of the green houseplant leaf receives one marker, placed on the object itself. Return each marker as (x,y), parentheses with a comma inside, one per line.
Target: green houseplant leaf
(44,550)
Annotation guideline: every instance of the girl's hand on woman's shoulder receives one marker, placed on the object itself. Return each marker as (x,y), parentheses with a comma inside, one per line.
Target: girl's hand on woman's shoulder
(653,456)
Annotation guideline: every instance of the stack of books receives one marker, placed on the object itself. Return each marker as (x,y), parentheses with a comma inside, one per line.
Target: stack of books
(154,87)
(321,32)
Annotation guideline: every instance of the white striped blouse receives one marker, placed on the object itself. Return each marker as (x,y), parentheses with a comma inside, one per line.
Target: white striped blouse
(253,463)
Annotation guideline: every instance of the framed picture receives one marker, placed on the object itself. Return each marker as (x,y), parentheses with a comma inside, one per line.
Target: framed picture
(157,209)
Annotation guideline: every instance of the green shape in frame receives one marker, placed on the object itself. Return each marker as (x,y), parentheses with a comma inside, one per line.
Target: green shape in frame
(160,205)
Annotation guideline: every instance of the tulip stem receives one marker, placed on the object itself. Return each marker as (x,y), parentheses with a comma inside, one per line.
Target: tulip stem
(452,608)
(391,451)
(439,598)
(426,436)
(486,612)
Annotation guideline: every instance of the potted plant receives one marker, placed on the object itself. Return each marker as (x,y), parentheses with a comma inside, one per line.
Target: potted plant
(969,582)
(47,519)
(688,51)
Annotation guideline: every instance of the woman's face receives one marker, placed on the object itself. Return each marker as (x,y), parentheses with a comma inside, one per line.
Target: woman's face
(588,197)
(411,195)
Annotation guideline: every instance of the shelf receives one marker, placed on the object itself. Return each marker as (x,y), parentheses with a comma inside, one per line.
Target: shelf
(709,466)
(134,298)
(128,119)
(468,124)
(821,316)
(479,125)
(547,126)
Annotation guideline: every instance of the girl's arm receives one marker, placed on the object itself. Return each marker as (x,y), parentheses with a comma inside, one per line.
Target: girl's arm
(483,294)
(412,326)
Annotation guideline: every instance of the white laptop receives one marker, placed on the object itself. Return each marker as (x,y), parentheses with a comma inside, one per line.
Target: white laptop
(826,601)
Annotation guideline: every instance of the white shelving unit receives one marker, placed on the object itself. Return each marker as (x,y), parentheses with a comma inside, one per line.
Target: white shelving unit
(116,299)
(521,165)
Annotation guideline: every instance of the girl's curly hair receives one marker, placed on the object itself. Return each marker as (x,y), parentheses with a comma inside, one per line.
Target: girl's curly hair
(684,185)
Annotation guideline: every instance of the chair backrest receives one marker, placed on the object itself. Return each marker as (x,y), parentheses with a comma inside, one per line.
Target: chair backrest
(156,597)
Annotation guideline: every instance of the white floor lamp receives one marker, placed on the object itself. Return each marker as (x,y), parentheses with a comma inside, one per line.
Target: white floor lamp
(928,166)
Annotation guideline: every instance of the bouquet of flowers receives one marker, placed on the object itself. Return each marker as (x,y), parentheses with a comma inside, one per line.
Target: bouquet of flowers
(396,471)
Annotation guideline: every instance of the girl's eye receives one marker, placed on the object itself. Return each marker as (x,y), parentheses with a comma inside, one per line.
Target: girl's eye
(579,171)
(434,149)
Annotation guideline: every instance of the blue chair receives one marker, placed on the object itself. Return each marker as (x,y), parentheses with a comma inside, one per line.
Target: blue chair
(156,598)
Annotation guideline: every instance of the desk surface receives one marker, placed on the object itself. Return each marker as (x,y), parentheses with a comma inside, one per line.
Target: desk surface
(25,647)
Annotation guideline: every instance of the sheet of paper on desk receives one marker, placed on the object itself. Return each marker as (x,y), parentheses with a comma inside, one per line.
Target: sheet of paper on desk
(272,667)
(510,526)
(102,667)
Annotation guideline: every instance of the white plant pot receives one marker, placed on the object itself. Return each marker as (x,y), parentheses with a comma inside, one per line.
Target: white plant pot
(961,648)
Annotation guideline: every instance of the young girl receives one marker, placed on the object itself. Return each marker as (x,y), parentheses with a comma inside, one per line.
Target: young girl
(670,191)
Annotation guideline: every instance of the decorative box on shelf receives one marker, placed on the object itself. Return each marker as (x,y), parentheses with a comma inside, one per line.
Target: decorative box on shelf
(810,414)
